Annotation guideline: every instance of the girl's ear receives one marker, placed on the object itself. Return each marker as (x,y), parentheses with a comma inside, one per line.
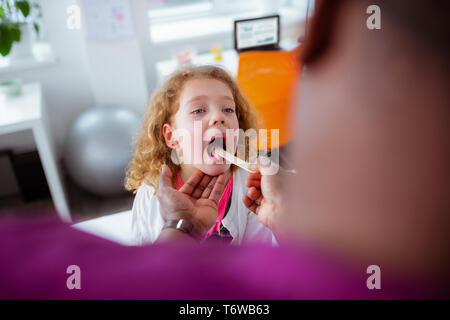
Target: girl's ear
(169,136)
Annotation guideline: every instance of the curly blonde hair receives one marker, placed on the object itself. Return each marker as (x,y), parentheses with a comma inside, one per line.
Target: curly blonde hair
(151,151)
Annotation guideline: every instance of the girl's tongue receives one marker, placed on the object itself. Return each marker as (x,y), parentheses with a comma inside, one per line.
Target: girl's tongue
(216,156)
(217,142)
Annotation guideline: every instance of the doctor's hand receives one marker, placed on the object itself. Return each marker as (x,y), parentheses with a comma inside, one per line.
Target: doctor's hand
(264,195)
(196,201)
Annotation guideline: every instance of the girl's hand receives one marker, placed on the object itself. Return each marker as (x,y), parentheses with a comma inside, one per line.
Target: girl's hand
(197,200)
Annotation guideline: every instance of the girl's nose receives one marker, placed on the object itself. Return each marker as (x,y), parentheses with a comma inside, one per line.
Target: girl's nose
(218,121)
(217,118)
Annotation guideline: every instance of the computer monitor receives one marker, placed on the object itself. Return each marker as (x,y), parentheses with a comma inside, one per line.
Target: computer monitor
(257,34)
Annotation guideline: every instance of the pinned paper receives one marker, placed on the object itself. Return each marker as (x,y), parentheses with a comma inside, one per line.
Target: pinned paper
(108,19)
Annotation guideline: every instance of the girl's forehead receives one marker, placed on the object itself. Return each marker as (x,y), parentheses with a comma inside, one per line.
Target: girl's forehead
(204,88)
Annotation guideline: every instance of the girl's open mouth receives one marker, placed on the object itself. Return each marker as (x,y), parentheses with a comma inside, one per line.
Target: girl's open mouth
(216,142)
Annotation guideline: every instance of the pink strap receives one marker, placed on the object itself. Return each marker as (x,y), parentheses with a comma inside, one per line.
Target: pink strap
(223,202)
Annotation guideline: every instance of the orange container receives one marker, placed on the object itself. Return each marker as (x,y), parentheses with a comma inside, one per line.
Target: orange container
(270,80)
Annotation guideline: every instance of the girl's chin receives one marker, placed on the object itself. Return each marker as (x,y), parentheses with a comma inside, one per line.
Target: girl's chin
(213,169)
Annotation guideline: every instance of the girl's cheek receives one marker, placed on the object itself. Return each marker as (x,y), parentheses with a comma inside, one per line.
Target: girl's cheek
(196,130)
(235,123)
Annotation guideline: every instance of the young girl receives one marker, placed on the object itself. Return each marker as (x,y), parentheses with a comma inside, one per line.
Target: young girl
(193,107)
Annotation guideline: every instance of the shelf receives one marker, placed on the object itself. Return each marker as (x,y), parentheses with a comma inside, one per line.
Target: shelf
(42,56)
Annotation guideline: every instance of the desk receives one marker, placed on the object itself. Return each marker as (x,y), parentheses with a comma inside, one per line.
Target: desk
(27,112)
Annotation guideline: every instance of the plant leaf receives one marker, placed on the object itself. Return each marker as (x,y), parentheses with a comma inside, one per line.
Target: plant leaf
(5,40)
(14,32)
(2,13)
(23,6)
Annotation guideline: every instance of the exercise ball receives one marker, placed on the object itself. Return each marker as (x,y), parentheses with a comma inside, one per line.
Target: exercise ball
(99,148)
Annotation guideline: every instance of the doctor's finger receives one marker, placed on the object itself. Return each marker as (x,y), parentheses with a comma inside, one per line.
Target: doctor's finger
(191,184)
(201,186)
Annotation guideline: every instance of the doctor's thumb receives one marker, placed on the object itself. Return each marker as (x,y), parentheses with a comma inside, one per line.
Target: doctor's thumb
(165,180)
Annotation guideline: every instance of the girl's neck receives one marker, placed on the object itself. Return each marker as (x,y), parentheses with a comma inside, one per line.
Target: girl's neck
(187,171)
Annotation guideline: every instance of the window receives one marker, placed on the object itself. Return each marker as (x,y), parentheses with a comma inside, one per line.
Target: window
(171,10)
(172,20)
(168,9)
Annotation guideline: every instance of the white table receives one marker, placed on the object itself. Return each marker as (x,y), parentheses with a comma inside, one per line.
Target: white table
(27,112)
(115,227)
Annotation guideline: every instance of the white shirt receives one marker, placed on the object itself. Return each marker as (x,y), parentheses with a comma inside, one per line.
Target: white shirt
(243,225)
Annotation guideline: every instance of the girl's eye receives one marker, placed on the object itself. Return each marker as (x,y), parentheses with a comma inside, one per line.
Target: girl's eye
(198,111)
(229,110)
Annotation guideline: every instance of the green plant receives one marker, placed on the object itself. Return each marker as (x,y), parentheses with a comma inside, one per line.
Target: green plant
(13,15)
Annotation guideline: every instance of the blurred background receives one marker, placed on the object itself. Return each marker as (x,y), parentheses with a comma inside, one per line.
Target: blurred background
(75,79)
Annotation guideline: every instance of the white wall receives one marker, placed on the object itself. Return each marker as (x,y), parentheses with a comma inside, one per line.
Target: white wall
(116,67)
